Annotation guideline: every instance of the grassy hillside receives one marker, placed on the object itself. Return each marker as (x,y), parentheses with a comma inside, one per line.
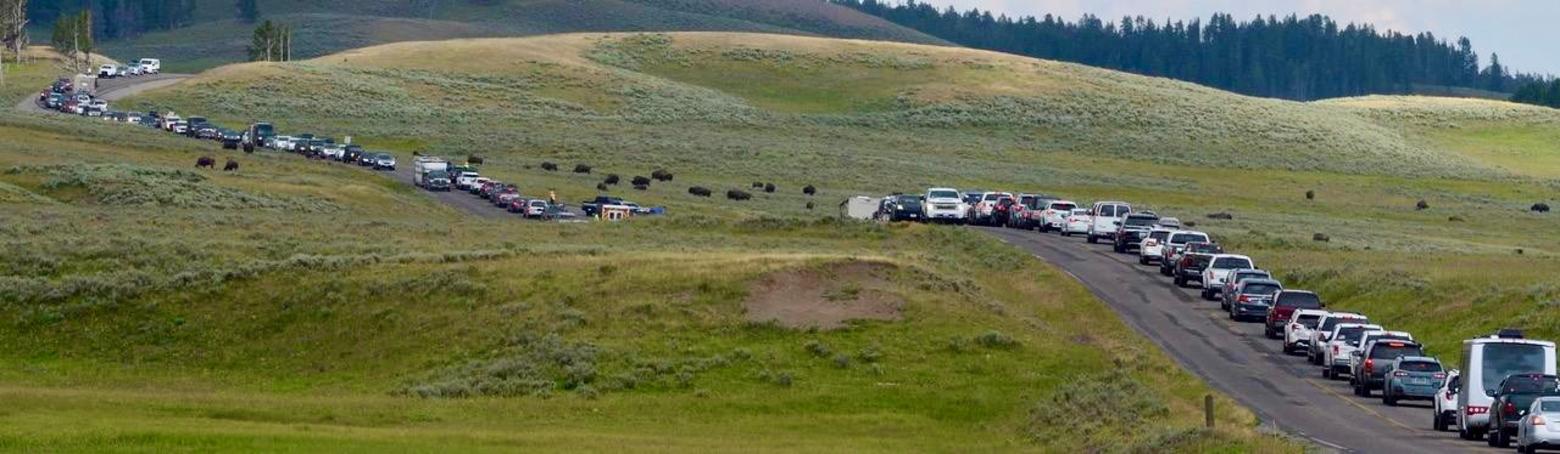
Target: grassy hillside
(327,27)
(724,110)
(302,306)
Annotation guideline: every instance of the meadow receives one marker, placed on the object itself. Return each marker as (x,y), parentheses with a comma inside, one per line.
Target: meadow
(302,306)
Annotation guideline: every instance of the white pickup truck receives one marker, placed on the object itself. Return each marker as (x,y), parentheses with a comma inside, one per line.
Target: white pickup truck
(1104,216)
(1219,268)
(944,205)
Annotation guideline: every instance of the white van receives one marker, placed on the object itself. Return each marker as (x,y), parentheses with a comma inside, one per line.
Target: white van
(1487,361)
(150,65)
(1104,217)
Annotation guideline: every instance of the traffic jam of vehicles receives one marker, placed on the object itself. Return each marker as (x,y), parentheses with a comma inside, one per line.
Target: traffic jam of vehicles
(1505,391)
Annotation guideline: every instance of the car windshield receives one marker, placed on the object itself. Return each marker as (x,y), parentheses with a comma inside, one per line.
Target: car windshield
(1300,300)
(1108,210)
(1504,359)
(1206,248)
(1351,333)
(908,199)
(1334,321)
(1390,350)
(1309,320)
(1419,366)
(1244,275)
(1141,221)
(1081,212)
(1531,385)
(1261,289)
(1063,206)
(1227,263)
(991,197)
(943,195)
(1549,406)
(1159,235)
(1183,238)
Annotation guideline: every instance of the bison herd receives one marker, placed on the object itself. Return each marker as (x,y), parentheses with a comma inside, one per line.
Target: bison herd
(642,183)
(207,162)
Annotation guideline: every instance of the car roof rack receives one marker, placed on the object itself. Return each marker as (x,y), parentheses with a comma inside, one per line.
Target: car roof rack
(1509,333)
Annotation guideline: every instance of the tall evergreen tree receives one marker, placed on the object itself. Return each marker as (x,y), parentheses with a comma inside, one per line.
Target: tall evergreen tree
(1292,57)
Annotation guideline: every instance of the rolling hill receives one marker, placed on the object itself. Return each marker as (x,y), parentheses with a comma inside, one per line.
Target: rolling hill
(327,27)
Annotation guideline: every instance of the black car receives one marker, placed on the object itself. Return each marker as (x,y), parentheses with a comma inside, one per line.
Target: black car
(904,208)
(1131,231)
(195,125)
(352,153)
(365,159)
(1512,399)
(231,139)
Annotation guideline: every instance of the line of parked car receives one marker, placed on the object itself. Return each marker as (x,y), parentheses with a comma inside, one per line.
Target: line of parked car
(1505,391)
(136,67)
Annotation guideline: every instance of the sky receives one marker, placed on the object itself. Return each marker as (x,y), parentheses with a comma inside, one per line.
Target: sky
(1523,32)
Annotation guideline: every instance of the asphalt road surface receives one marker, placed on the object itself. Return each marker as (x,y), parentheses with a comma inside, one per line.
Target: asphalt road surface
(114,89)
(1285,391)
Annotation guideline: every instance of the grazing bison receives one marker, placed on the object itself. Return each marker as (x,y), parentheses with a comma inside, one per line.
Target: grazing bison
(1540,208)
(601,186)
(474,160)
(758,185)
(1322,237)
(699,191)
(738,195)
(231,166)
(1422,205)
(661,175)
(641,187)
(809,205)
(1225,216)
(1310,195)
(550,167)
(810,190)
(640,180)
(205,162)
(581,168)
(612,178)
(770,188)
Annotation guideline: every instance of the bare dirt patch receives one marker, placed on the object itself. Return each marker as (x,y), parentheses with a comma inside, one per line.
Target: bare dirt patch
(824,297)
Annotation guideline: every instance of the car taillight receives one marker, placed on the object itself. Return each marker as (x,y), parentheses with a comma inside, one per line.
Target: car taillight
(1449,395)
(1243,299)
(1538,420)
(1394,374)
(1439,376)
(1369,363)
(1472,410)
(1294,325)
(1335,350)
(1510,408)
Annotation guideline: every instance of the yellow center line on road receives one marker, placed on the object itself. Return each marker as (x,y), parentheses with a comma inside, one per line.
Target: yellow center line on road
(1363,408)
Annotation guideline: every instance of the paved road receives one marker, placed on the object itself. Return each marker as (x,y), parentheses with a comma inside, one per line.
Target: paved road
(1285,391)
(461,200)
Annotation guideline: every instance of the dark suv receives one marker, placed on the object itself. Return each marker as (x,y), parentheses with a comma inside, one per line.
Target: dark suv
(1516,394)
(1284,305)
(1131,231)
(1375,359)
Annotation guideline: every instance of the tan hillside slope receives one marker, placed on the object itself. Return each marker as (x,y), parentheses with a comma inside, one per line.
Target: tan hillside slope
(830,101)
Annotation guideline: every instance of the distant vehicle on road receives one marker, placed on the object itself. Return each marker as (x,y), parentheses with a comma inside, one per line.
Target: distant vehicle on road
(1227,292)
(1369,368)
(1345,339)
(1297,334)
(1412,378)
(1218,270)
(1103,217)
(1175,246)
(1284,305)
(1054,217)
(1446,402)
(944,205)
(1251,298)
(1131,230)
(1512,401)
(1536,430)
(151,65)
(1486,362)
(1323,333)
(1077,222)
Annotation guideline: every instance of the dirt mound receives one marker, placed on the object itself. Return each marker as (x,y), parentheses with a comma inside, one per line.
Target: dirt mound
(824,297)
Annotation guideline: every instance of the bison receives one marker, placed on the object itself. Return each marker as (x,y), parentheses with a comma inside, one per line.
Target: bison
(231,166)
(1322,237)
(612,178)
(769,187)
(1422,205)
(661,175)
(758,185)
(640,180)
(738,195)
(1540,207)
(699,191)
(581,168)
(1225,216)
(474,160)
(550,167)
(809,205)
(1310,195)
(810,190)
(205,162)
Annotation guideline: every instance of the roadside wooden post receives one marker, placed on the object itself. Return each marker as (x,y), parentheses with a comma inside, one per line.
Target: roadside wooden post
(1208,410)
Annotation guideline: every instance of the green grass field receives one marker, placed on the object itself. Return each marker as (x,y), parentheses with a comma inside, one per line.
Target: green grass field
(301,306)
